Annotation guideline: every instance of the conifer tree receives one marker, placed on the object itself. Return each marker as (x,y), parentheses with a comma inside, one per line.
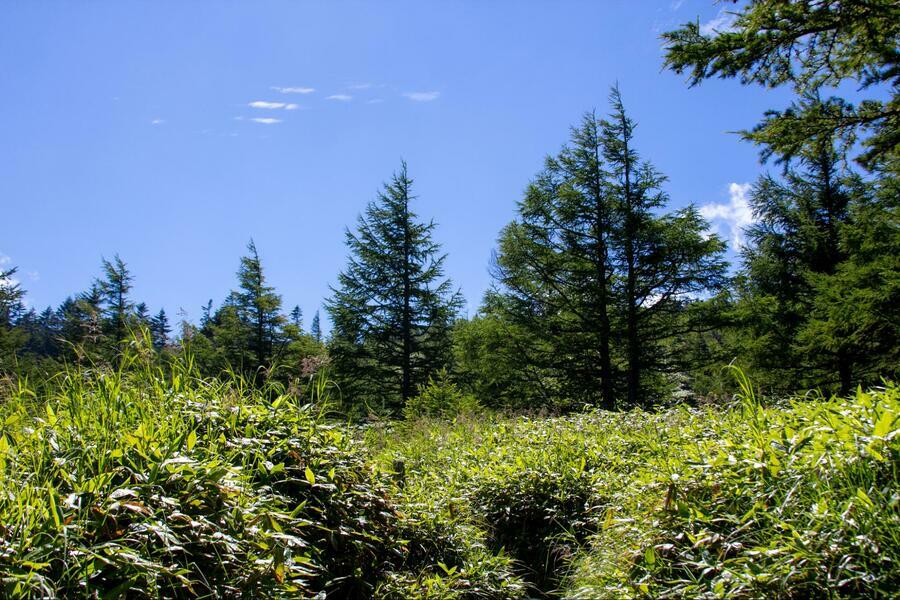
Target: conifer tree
(813,239)
(257,309)
(12,308)
(315,328)
(393,309)
(591,268)
(297,318)
(114,289)
(554,268)
(160,329)
(664,261)
(812,47)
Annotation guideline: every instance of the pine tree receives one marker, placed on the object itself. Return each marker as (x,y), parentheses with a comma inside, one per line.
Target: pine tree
(392,310)
(590,263)
(114,290)
(257,309)
(804,263)
(12,308)
(160,329)
(206,312)
(554,268)
(664,261)
(855,316)
(315,328)
(297,318)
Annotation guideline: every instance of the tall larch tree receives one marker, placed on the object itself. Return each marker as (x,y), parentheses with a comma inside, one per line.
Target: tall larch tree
(597,275)
(554,269)
(315,328)
(664,261)
(393,308)
(801,239)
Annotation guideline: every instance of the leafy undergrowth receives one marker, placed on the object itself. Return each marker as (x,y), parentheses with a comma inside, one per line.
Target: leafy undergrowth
(151,483)
(140,483)
(794,500)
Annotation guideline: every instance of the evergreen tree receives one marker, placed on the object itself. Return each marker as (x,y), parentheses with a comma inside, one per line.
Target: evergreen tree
(554,267)
(160,329)
(256,312)
(297,318)
(43,333)
(665,262)
(206,315)
(114,290)
(591,262)
(12,307)
(816,235)
(315,328)
(812,46)
(142,313)
(855,317)
(392,310)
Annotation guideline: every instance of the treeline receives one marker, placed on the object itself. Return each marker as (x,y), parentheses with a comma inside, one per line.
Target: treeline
(602,293)
(248,334)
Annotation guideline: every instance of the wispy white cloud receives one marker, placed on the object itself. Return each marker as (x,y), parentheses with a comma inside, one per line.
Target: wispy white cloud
(266,120)
(721,23)
(736,214)
(422,96)
(4,259)
(273,105)
(340,97)
(34,275)
(267,105)
(294,90)
(360,86)
(676,4)
(157,121)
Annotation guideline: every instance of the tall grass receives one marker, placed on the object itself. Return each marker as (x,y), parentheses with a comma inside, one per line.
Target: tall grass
(148,481)
(795,499)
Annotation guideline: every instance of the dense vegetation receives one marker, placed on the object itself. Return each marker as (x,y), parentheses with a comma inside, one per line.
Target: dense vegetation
(149,482)
(578,436)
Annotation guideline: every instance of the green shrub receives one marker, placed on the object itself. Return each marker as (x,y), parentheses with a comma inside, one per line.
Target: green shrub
(440,398)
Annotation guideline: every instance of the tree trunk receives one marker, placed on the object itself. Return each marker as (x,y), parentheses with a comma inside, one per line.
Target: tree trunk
(633,342)
(845,372)
(607,397)
(406,366)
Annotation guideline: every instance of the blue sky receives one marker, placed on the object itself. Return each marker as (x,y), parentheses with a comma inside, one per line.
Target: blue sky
(173,132)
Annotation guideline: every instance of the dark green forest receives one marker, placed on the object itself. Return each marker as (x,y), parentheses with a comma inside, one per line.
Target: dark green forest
(627,413)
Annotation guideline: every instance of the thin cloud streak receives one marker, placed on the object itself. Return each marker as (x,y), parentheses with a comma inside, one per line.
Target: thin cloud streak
(422,96)
(266,120)
(340,97)
(267,105)
(294,90)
